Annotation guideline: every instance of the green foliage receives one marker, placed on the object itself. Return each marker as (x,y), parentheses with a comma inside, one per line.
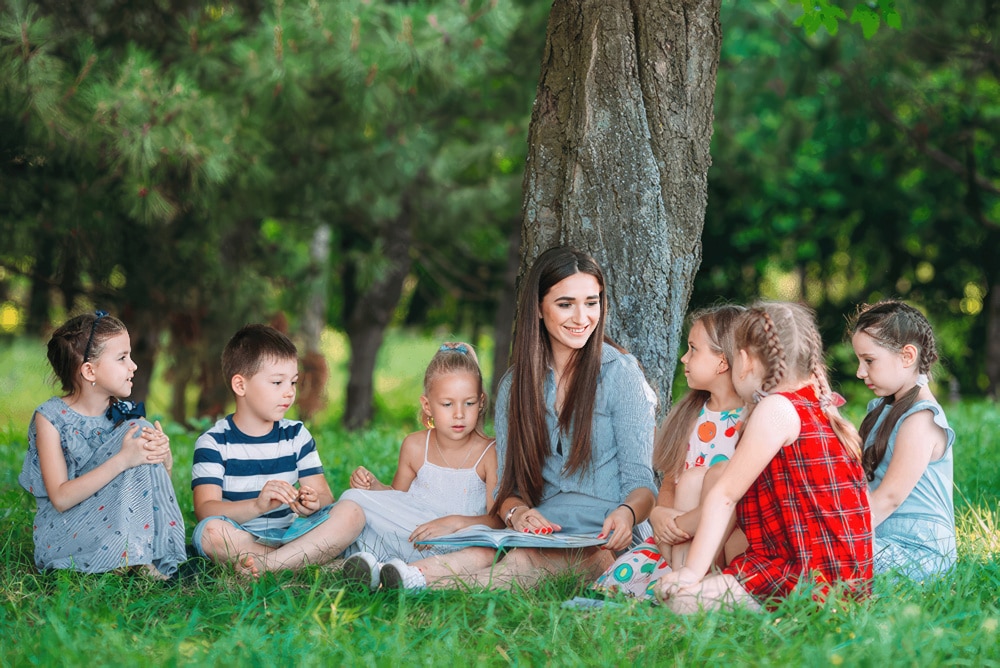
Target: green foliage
(848,170)
(818,14)
(172,161)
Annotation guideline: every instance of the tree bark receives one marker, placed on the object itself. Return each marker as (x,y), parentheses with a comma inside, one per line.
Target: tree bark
(503,323)
(368,318)
(618,158)
(312,384)
(993,341)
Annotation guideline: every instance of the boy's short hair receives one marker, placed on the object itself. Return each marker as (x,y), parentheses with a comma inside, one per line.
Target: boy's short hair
(250,346)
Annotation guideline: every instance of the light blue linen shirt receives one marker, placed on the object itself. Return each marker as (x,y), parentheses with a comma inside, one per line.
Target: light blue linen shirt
(622,438)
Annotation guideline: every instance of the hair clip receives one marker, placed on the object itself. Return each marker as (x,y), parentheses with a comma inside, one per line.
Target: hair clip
(460,348)
(122,410)
(90,339)
(922,380)
(758,395)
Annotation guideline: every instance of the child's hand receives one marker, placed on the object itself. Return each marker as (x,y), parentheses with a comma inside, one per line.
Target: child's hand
(665,529)
(134,452)
(362,478)
(276,493)
(157,445)
(442,526)
(308,501)
(671,583)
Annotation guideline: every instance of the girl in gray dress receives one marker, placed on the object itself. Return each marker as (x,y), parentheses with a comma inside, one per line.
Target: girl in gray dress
(99,474)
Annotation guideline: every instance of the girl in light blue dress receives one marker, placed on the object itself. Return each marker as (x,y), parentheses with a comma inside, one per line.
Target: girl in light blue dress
(907,441)
(99,473)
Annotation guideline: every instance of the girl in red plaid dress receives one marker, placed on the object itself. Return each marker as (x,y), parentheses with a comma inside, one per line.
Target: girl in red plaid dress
(795,484)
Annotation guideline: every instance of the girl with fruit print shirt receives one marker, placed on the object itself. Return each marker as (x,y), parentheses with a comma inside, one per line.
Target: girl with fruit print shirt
(697,439)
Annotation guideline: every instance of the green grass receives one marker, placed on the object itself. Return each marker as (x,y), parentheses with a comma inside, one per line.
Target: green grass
(311,618)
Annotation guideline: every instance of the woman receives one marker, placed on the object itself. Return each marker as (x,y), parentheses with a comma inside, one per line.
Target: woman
(574,422)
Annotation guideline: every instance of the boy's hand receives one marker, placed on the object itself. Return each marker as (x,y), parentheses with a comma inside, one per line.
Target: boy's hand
(362,478)
(276,493)
(308,501)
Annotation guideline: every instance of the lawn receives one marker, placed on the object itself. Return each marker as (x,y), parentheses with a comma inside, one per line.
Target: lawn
(211,617)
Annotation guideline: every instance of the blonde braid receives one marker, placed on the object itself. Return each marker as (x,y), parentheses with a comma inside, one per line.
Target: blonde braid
(776,361)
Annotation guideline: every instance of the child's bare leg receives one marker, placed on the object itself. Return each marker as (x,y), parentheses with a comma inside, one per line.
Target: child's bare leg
(687,496)
(224,543)
(322,544)
(465,566)
(736,545)
(712,593)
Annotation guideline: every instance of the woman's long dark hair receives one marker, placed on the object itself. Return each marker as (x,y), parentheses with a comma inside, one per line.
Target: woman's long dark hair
(892,324)
(528,441)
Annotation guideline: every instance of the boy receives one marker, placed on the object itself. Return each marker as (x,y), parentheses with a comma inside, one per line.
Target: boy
(246,466)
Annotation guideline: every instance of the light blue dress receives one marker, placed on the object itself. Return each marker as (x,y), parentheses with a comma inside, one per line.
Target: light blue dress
(133,520)
(621,446)
(918,539)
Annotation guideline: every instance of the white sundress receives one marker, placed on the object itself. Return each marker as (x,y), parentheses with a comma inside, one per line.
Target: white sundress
(392,515)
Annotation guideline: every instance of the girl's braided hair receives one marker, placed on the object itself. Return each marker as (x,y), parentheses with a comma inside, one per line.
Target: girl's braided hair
(892,324)
(784,337)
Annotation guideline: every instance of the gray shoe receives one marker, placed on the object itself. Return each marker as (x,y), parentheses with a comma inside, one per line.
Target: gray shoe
(397,574)
(362,568)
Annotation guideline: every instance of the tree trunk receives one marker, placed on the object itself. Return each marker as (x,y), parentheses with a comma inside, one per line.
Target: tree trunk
(312,383)
(368,318)
(993,341)
(503,324)
(618,158)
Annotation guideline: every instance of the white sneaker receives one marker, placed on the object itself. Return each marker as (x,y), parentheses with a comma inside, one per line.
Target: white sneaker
(397,574)
(363,568)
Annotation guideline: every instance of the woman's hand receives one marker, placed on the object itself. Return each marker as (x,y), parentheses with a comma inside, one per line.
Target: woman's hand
(307,502)
(617,529)
(665,529)
(529,520)
(441,526)
(672,583)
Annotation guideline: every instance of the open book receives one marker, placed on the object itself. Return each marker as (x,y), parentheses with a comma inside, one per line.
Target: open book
(301,525)
(480,535)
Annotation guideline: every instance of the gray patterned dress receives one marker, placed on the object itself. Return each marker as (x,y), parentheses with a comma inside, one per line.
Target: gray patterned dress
(131,521)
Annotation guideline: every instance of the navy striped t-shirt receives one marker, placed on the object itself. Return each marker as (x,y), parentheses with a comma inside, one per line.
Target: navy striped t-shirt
(241,464)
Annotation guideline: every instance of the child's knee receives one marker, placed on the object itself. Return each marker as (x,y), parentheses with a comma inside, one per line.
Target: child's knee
(714,472)
(212,537)
(350,513)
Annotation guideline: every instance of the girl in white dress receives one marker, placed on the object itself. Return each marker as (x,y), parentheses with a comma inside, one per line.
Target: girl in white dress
(446,476)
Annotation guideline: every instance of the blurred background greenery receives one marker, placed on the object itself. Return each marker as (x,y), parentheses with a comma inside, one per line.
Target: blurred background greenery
(351,170)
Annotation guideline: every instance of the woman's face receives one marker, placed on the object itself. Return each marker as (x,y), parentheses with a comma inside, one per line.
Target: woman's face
(570,311)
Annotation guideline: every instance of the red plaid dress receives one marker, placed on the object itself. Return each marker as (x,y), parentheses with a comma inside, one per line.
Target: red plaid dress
(806,517)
